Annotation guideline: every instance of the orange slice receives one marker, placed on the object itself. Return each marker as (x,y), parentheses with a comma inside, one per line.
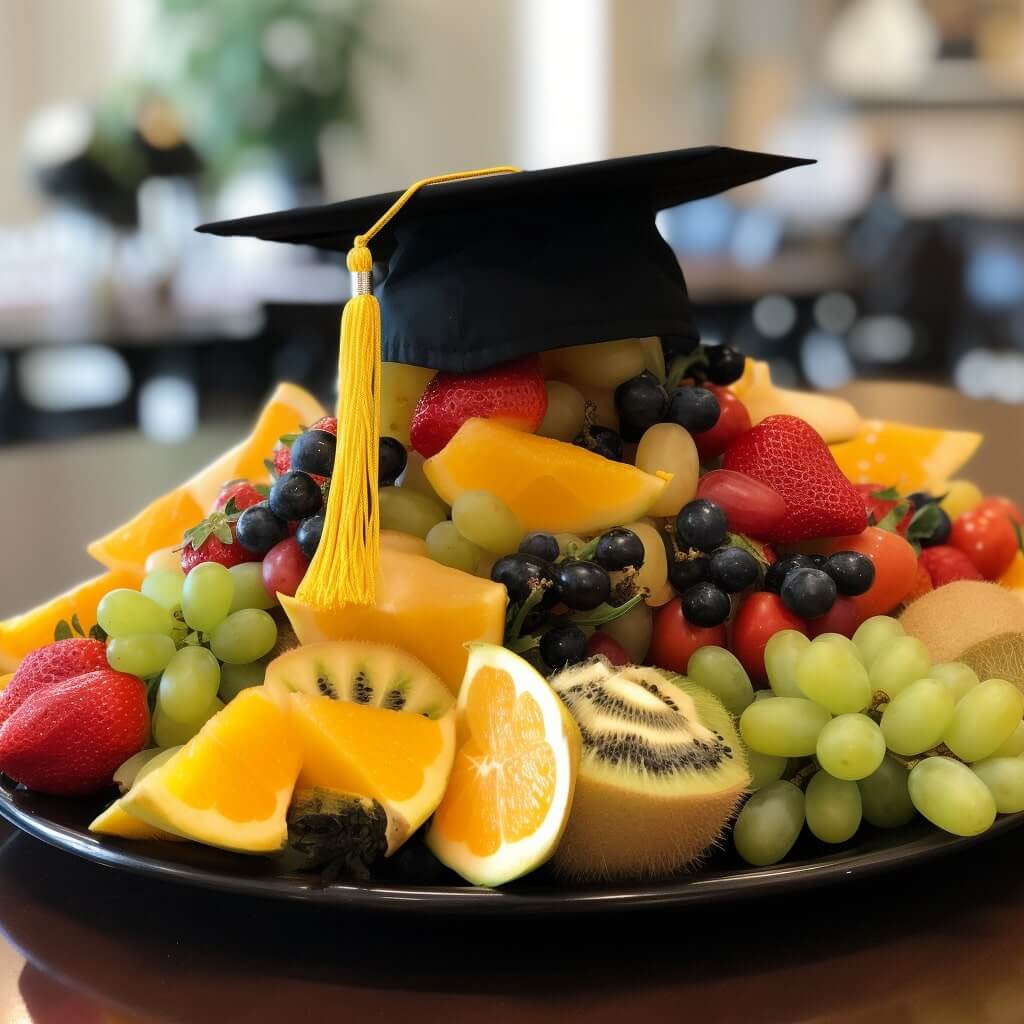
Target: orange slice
(230,785)
(163,522)
(511,789)
(21,634)
(905,457)
(1013,578)
(549,485)
(427,609)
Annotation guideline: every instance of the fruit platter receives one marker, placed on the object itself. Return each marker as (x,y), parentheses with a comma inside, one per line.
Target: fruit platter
(748,636)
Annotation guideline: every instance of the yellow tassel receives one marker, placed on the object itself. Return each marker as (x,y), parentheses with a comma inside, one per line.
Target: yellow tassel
(344,568)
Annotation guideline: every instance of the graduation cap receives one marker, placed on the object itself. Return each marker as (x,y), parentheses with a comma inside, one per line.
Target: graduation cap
(482,267)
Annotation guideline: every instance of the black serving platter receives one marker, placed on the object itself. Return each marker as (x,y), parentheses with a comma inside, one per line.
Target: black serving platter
(64,824)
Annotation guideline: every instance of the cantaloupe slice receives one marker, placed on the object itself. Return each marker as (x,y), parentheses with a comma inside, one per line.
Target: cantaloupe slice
(549,485)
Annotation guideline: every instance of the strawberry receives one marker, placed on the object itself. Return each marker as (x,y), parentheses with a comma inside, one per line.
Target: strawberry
(280,460)
(213,540)
(789,455)
(946,564)
(512,393)
(879,502)
(328,423)
(49,665)
(243,493)
(70,738)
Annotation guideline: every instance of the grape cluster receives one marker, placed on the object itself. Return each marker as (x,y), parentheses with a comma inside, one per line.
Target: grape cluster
(643,400)
(868,729)
(809,584)
(196,640)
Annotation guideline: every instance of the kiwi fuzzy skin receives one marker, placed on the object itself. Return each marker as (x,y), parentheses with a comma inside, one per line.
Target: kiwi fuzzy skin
(980,624)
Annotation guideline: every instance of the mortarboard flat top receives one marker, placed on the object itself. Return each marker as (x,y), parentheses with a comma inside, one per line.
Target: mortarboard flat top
(494,268)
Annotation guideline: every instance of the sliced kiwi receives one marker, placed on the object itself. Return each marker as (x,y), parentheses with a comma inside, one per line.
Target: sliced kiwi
(662,772)
(339,832)
(363,673)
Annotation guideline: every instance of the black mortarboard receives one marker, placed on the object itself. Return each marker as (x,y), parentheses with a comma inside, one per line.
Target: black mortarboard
(482,267)
(492,268)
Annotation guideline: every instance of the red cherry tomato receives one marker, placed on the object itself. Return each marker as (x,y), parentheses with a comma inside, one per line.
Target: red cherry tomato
(283,567)
(988,539)
(843,617)
(1000,507)
(750,506)
(760,617)
(732,421)
(602,643)
(895,567)
(675,638)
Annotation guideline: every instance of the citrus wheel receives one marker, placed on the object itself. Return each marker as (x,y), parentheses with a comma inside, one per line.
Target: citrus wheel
(231,784)
(512,785)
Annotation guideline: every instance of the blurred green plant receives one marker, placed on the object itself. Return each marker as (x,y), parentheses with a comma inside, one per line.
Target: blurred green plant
(250,75)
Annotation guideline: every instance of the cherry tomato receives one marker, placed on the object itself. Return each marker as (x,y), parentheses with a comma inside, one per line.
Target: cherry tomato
(750,506)
(988,539)
(843,617)
(1000,507)
(760,617)
(602,643)
(675,638)
(732,421)
(895,567)
(283,567)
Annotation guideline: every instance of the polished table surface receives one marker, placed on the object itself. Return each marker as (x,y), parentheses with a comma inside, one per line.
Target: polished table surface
(943,944)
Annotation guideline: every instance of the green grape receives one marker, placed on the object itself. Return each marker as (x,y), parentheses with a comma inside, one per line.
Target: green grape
(189,683)
(207,595)
(1014,746)
(783,726)
(125,612)
(447,546)
(236,678)
(780,657)
(127,773)
(1004,777)
(905,660)
(244,636)
(633,631)
(833,808)
(951,796)
(764,695)
(917,718)
(764,769)
(769,823)
(874,635)
(249,589)
(720,672)
(402,508)
(167,732)
(884,795)
(141,654)
(485,520)
(850,747)
(831,675)
(984,719)
(563,419)
(164,587)
(960,678)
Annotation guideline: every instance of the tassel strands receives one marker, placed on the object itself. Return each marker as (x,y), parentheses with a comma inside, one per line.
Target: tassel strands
(344,568)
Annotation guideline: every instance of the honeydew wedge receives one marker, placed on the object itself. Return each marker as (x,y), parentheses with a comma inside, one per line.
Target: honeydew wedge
(549,485)
(116,821)
(423,607)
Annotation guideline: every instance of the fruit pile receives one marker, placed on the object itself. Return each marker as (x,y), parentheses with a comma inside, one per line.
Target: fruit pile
(631,596)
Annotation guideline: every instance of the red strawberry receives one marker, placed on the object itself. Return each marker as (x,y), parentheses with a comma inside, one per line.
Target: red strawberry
(70,739)
(213,540)
(789,455)
(328,423)
(241,492)
(280,459)
(880,501)
(48,666)
(512,393)
(946,564)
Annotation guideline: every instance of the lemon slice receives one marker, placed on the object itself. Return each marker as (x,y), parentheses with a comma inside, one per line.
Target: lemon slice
(512,785)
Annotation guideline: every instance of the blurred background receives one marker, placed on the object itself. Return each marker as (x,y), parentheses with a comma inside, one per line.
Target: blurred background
(125,123)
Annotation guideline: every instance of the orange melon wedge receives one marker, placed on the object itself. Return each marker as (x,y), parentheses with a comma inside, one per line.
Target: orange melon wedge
(549,485)
(512,785)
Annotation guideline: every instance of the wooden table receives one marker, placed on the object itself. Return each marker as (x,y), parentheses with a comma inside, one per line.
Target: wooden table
(943,944)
